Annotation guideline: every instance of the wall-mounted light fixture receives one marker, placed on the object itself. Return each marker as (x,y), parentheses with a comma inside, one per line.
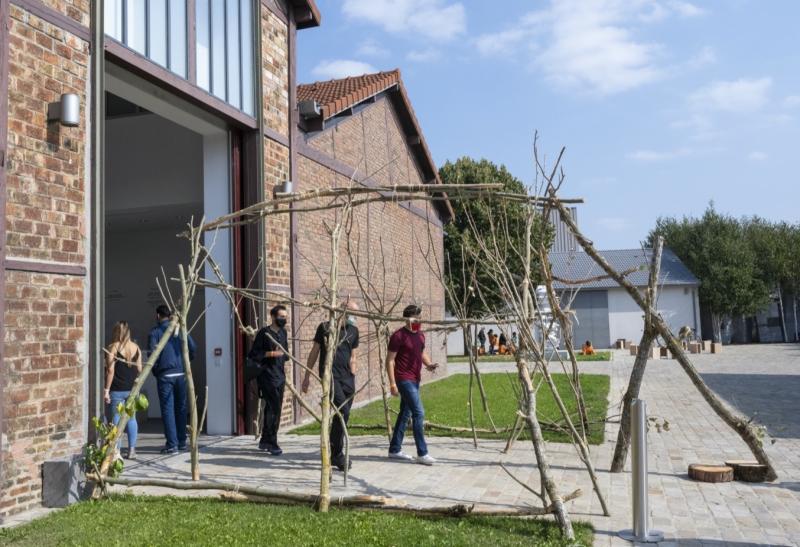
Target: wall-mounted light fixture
(286,187)
(66,111)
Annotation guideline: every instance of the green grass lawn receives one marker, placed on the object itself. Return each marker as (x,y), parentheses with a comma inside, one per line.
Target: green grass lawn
(130,521)
(446,403)
(598,356)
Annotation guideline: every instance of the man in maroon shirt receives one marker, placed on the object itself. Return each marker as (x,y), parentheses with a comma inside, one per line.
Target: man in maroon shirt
(403,367)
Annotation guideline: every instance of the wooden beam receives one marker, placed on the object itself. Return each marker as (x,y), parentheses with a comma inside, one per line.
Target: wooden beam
(54,17)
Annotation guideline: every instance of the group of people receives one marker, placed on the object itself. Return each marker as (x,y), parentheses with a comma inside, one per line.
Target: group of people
(498,343)
(405,358)
(123,365)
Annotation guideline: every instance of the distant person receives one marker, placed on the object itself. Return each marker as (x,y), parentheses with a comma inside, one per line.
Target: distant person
(403,368)
(343,376)
(269,350)
(123,365)
(492,342)
(514,341)
(482,340)
(502,344)
(587,348)
(171,381)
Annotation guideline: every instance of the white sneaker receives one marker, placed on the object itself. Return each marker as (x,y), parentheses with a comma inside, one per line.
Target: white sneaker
(427,459)
(399,456)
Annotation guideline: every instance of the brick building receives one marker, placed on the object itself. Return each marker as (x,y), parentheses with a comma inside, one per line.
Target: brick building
(189,112)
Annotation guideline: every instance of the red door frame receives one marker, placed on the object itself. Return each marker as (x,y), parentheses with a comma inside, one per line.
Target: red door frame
(239,264)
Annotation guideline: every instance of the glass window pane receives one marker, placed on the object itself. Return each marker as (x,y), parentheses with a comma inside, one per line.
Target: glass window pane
(113,22)
(247,57)
(203,45)
(218,86)
(177,36)
(135,25)
(232,42)
(158,31)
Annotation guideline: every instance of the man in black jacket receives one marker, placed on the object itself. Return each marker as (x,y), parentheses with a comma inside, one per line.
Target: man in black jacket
(343,377)
(170,380)
(269,349)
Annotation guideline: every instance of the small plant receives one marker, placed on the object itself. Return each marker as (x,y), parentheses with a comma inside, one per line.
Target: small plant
(94,453)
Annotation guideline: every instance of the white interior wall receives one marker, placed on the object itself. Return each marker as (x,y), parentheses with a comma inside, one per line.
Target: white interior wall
(675,304)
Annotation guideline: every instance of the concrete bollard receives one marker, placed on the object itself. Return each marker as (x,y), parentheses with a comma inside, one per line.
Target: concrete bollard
(641,512)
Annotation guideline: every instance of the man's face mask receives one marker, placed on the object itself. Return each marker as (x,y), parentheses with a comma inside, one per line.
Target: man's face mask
(280,321)
(351,320)
(416,326)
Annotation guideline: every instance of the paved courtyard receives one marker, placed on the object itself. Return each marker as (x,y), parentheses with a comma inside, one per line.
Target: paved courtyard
(761,380)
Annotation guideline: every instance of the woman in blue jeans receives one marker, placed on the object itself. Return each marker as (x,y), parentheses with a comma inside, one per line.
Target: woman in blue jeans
(123,365)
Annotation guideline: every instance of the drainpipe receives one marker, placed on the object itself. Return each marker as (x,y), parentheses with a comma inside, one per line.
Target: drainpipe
(97,241)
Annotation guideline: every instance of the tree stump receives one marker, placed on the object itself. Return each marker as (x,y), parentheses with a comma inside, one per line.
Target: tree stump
(710,472)
(694,347)
(620,343)
(748,470)
(716,347)
(706,345)
(663,352)
(634,348)
(626,344)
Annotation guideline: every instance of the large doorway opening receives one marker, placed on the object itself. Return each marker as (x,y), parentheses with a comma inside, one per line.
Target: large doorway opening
(166,162)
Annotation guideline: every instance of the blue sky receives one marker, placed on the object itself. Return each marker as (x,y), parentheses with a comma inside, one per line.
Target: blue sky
(662,105)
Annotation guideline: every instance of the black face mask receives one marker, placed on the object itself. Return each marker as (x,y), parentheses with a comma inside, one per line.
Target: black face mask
(280,321)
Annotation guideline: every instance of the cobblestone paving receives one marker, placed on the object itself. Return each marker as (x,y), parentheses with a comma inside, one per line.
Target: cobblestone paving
(764,378)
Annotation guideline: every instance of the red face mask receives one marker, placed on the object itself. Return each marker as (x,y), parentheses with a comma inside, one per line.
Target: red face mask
(415,326)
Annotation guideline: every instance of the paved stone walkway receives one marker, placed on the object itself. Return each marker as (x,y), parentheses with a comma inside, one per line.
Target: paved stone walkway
(755,378)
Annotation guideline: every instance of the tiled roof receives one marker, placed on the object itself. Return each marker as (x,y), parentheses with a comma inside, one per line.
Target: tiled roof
(334,96)
(579,265)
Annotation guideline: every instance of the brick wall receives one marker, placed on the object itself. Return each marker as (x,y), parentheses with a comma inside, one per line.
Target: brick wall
(44,366)
(275,73)
(382,233)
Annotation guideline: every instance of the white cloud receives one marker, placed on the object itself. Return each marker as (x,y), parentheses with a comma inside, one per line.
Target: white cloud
(423,55)
(434,19)
(591,44)
(704,57)
(657,156)
(743,95)
(341,68)
(371,48)
(792,101)
(756,156)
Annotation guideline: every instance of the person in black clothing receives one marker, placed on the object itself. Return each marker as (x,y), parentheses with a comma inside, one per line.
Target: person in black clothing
(269,349)
(482,339)
(123,365)
(343,379)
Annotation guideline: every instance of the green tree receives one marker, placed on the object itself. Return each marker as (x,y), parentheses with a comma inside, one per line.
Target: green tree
(715,248)
(461,246)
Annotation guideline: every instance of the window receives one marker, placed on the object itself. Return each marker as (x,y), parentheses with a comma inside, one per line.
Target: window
(223,36)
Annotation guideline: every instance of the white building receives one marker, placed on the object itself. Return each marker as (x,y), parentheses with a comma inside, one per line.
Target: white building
(605,312)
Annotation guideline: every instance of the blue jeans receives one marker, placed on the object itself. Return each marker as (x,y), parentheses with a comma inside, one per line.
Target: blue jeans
(132,429)
(410,407)
(172,399)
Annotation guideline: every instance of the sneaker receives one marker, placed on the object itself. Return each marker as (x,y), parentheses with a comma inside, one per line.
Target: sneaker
(184,448)
(427,459)
(275,451)
(264,446)
(131,454)
(400,456)
(169,450)
(339,463)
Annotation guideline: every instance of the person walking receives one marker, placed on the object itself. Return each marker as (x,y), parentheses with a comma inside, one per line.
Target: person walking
(482,340)
(343,378)
(403,368)
(171,381)
(123,365)
(269,349)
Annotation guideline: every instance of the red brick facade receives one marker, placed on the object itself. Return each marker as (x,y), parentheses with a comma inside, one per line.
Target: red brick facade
(45,340)
(373,142)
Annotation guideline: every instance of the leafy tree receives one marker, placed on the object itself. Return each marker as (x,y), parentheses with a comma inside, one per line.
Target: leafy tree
(461,246)
(715,248)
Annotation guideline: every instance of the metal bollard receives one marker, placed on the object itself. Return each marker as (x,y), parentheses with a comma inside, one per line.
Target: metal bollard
(641,512)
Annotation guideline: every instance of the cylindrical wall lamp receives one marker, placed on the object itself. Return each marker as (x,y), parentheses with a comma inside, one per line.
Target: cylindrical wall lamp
(67,111)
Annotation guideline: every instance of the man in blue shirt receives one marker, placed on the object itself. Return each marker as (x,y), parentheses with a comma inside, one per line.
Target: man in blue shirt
(171,381)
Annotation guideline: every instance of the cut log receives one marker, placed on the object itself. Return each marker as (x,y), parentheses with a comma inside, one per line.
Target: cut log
(664,352)
(748,470)
(716,347)
(634,348)
(706,345)
(710,472)
(694,347)
(620,344)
